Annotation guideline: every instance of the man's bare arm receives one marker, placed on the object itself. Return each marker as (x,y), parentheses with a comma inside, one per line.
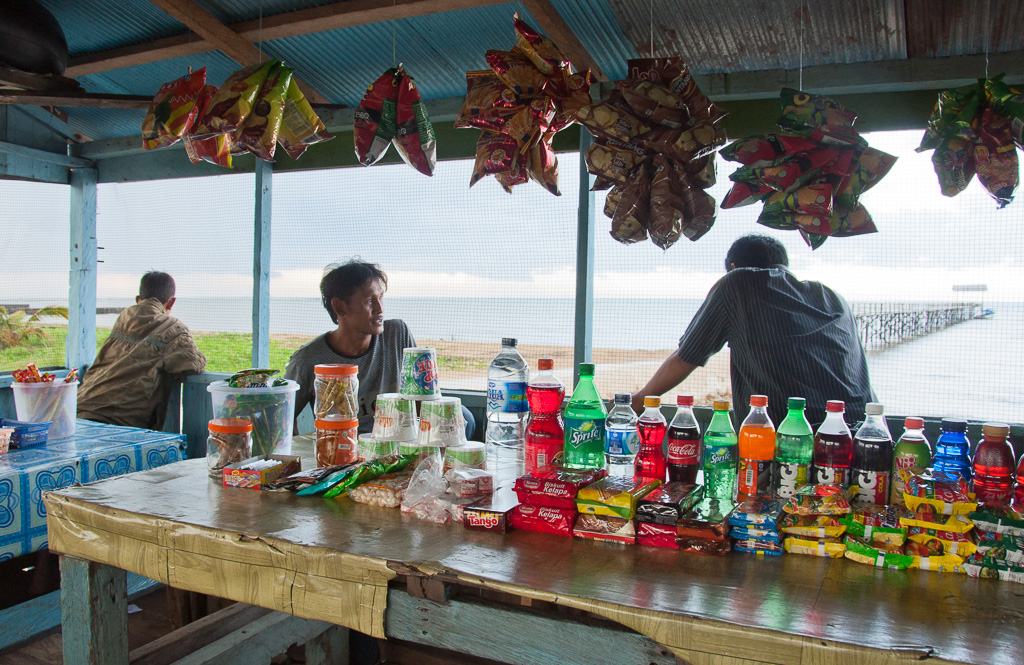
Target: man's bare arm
(671,373)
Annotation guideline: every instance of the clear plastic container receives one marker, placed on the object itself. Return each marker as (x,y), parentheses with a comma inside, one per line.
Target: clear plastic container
(337,392)
(46,401)
(271,411)
(229,442)
(336,441)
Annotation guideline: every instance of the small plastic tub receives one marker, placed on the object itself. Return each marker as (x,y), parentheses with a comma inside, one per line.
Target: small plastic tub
(229,442)
(26,435)
(48,401)
(271,411)
(336,441)
(337,392)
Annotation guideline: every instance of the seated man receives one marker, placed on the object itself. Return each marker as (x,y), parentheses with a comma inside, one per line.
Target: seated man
(147,351)
(352,294)
(787,337)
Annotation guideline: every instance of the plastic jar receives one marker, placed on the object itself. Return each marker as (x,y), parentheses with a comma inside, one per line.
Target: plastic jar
(336,441)
(230,441)
(337,391)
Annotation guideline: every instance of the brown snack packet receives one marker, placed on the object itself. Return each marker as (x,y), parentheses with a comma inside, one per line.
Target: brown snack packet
(516,71)
(611,122)
(654,103)
(698,141)
(666,218)
(495,153)
(995,156)
(630,220)
(611,162)
(543,165)
(698,212)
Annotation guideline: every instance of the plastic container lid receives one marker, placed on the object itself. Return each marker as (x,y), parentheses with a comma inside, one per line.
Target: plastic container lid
(996,430)
(954,425)
(874,409)
(758,400)
(684,400)
(721,405)
(335,370)
(230,425)
(913,423)
(43,385)
(544,364)
(835,406)
(652,401)
(223,387)
(623,398)
(335,424)
(796,403)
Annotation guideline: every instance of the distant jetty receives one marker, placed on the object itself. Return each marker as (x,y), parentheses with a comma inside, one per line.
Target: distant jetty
(887,324)
(32,310)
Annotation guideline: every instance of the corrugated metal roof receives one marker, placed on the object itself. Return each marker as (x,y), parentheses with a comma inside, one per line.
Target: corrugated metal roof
(234,11)
(744,35)
(98,25)
(937,28)
(594,23)
(106,123)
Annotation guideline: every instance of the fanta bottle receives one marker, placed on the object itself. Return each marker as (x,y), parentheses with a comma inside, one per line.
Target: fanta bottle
(757,451)
(544,430)
(584,424)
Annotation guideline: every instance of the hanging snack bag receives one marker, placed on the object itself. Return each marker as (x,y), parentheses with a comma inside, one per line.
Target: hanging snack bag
(995,157)
(488,102)
(516,71)
(301,127)
(233,101)
(654,102)
(608,121)
(375,118)
(495,153)
(543,165)
(954,162)
(631,217)
(173,111)
(414,135)
(665,222)
(215,149)
(260,128)
(541,51)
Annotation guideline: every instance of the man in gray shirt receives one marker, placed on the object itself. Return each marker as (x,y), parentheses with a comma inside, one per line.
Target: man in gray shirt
(787,337)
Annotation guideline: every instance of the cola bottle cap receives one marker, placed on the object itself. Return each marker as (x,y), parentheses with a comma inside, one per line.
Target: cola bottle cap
(835,406)
(684,400)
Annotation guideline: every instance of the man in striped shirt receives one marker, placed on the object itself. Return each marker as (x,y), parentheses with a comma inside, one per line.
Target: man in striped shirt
(787,337)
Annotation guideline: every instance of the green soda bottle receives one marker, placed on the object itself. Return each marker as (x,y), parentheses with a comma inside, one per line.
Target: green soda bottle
(794,450)
(584,424)
(720,454)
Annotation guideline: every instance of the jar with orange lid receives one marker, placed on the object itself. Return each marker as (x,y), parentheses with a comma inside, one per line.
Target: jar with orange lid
(337,392)
(336,441)
(230,441)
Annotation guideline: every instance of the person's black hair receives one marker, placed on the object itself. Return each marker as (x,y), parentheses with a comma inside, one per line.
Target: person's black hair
(341,281)
(157,285)
(756,251)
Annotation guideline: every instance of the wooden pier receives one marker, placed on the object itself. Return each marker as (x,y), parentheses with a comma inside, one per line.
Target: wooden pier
(888,324)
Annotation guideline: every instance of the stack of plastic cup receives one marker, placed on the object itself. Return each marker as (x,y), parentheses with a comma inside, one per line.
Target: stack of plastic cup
(394,418)
(419,374)
(441,423)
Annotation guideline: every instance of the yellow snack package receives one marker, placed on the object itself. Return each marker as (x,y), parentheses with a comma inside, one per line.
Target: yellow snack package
(814,526)
(232,102)
(259,130)
(301,127)
(615,496)
(829,547)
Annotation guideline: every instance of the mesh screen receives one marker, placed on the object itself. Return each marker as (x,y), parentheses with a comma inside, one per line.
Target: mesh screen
(200,231)
(34,232)
(905,275)
(465,267)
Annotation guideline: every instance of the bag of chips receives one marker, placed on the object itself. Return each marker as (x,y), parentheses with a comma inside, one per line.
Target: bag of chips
(818,500)
(609,121)
(613,161)
(953,160)
(540,50)
(517,71)
(375,118)
(995,157)
(542,165)
(258,132)
(873,555)
(653,102)
(216,149)
(813,526)
(824,547)
(301,127)
(762,150)
(495,153)
(414,135)
(232,102)
(487,102)
(666,206)
(173,111)
(630,219)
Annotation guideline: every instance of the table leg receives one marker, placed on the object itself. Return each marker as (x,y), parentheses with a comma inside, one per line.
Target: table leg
(94,615)
(328,648)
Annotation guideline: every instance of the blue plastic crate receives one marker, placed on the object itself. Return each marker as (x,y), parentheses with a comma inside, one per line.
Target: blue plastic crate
(27,435)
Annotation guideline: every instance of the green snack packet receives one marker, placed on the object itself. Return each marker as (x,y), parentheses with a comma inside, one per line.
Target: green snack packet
(368,471)
(861,552)
(254,378)
(954,105)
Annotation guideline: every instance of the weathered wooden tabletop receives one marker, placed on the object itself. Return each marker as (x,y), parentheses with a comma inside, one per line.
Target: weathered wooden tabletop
(328,559)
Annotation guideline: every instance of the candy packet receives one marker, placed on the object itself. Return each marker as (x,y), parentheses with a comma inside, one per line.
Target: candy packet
(173,111)
(709,519)
(544,519)
(754,532)
(704,546)
(385,491)
(759,547)
(555,486)
(656,535)
(255,378)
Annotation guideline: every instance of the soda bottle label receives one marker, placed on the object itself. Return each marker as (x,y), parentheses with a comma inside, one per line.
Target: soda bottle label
(584,433)
(539,455)
(789,476)
(621,441)
(682,451)
(872,487)
(755,477)
(719,457)
(507,396)
(831,475)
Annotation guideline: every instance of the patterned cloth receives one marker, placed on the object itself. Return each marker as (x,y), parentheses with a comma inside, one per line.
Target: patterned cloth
(94,452)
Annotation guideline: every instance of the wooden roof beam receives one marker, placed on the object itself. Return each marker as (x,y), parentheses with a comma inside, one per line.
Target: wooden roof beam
(279,26)
(558,30)
(222,37)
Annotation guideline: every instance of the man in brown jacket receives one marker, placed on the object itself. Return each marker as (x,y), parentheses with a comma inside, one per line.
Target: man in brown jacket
(146,351)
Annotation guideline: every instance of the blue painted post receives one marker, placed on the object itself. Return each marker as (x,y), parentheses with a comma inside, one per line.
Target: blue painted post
(261,266)
(80,346)
(94,612)
(584,332)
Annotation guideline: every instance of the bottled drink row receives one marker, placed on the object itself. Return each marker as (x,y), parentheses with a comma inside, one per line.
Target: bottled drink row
(758,461)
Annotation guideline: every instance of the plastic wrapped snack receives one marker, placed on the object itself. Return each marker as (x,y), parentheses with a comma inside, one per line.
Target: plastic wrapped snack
(755,532)
(255,378)
(757,546)
(813,526)
(656,535)
(353,475)
(173,111)
(375,118)
(667,504)
(709,519)
(999,518)
(1001,547)
(944,498)
(877,525)
(944,542)
(469,482)
(555,486)
(608,121)
(872,555)
(495,153)
(925,517)
(826,547)
(945,563)
(216,149)
(258,132)
(232,102)
(819,500)
(385,491)
(541,51)
(601,527)
(762,150)
(704,545)
(995,156)
(614,496)
(544,519)
(758,512)
(982,566)
(654,102)
(488,102)
(414,135)
(301,127)
(516,71)
(542,166)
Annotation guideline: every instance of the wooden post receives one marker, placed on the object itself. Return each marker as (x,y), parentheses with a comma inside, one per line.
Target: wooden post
(261,266)
(80,346)
(328,648)
(94,616)
(584,338)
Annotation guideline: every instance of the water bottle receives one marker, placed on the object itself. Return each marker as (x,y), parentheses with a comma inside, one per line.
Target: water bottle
(506,397)
(794,448)
(953,451)
(720,454)
(993,465)
(651,426)
(584,424)
(872,459)
(621,441)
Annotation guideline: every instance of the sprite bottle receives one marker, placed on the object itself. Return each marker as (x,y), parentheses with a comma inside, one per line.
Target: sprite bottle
(584,424)
(794,450)
(720,454)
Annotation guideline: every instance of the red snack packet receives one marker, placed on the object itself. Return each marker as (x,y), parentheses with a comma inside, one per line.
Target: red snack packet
(699,212)
(217,148)
(173,111)
(232,102)
(516,70)
(517,176)
(568,107)
(656,535)
(995,157)
(541,51)
(495,153)
(488,102)
(743,193)
(599,527)
(542,165)
(375,118)
(555,486)
(543,519)
(870,167)
(414,135)
(762,150)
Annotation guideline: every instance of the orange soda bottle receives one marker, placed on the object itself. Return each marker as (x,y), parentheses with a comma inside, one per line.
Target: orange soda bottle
(756,451)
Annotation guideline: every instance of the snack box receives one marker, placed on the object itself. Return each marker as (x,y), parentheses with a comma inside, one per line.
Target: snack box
(709,519)
(555,486)
(758,512)
(599,527)
(493,513)
(543,519)
(825,547)
(257,478)
(614,496)
(656,535)
(667,504)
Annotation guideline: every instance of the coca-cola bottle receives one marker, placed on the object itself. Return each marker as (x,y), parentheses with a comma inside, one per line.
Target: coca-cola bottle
(833,447)
(872,458)
(684,443)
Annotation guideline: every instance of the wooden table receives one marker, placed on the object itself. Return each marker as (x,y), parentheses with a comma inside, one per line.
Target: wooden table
(350,564)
